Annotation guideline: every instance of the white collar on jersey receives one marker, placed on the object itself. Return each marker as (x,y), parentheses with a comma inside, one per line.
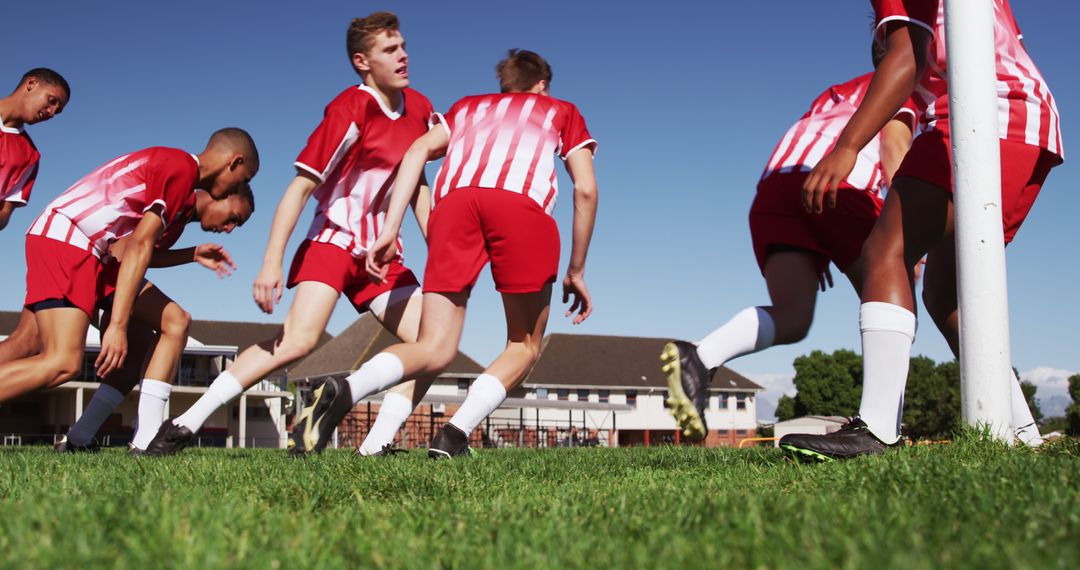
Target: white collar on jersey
(17,130)
(195,158)
(394,115)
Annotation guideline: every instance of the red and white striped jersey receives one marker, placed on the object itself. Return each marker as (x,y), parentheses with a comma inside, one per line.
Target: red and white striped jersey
(355,152)
(18,164)
(816,133)
(506,141)
(1027,112)
(108,203)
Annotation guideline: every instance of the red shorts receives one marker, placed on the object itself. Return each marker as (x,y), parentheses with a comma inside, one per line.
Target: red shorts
(778,218)
(328,263)
(107,283)
(59,270)
(1024,168)
(471,226)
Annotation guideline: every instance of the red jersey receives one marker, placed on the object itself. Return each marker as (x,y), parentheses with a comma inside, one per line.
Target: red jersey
(1027,112)
(355,152)
(506,141)
(108,203)
(816,133)
(18,164)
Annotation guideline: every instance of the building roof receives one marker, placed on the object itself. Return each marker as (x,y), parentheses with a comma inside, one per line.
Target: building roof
(614,361)
(363,339)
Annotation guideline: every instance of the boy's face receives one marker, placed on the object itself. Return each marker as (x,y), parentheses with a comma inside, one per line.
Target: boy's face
(386,63)
(236,174)
(42,101)
(225,215)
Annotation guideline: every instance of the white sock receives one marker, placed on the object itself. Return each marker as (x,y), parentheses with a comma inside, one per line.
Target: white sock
(221,391)
(393,412)
(750,330)
(105,400)
(887,333)
(1027,431)
(381,372)
(153,394)
(485,394)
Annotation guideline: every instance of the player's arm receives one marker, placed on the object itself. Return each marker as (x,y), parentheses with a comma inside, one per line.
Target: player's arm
(136,258)
(210,255)
(6,208)
(580,166)
(421,205)
(895,141)
(268,285)
(906,52)
(432,144)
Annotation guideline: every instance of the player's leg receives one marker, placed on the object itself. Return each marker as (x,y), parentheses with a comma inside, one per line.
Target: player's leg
(434,350)
(62,332)
(939,298)
(304,324)
(402,319)
(526,320)
(23,341)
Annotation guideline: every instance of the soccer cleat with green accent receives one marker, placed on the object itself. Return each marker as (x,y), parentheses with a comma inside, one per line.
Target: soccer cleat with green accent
(688,388)
(851,440)
(330,403)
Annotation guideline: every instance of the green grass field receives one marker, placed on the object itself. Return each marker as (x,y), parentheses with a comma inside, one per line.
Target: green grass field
(967,505)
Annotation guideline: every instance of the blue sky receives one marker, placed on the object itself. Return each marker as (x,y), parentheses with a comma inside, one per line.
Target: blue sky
(687,100)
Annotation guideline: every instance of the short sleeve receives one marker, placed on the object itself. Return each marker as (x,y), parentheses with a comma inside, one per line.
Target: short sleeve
(574,135)
(921,13)
(18,191)
(909,111)
(332,139)
(170,184)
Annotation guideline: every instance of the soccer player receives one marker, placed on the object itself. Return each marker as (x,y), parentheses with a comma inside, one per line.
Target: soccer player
(41,95)
(145,196)
(793,246)
(160,328)
(492,202)
(918,214)
(349,165)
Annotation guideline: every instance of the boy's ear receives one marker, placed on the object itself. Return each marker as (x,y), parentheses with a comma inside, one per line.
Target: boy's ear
(359,61)
(236,161)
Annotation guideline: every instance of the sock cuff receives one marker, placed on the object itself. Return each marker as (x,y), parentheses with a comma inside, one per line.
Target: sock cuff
(766,329)
(155,388)
(488,385)
(396,405)
(388,363)
(887,317)
(225,387)
(109,395)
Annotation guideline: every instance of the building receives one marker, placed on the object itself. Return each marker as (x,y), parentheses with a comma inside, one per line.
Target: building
(816,425)
(256,419)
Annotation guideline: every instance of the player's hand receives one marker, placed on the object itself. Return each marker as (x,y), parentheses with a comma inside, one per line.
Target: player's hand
(268,287)
(821,185)
(214,257)
(575,285)
(825,279)
(378,257)
(113,350)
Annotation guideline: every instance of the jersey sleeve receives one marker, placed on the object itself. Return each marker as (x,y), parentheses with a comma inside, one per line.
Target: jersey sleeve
(170,184)
(332,139)
(922,13)
(18,189)
(446,122)
(909,112)
(575,135)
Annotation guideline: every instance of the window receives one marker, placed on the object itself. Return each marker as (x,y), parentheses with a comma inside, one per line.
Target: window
(723,397)
(583,395)
(462,387)
(740,402)
(541,393)
(605,396)
(631,397)
(740,432)
(563,393)
(665,398)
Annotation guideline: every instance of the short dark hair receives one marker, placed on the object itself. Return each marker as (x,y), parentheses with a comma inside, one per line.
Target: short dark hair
(362,31)
(521,70)
(239,140)
(246,194)
(46,75)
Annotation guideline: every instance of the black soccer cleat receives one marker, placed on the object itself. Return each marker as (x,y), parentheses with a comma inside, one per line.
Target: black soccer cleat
(387,450)
(136,452)
(688,388)
(852,440)
(65,446)
(330,403)
(449,442)
(170,439)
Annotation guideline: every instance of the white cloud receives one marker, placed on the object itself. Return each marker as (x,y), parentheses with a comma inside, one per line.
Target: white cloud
(1052,388)
(776,384)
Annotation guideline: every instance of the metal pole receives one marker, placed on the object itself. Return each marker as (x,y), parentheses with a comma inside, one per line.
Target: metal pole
(985,362)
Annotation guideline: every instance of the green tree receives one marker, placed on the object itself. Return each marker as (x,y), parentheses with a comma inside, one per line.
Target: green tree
(932,399)
(785,408)
(1072,413)
(1029,390)
(827,384)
